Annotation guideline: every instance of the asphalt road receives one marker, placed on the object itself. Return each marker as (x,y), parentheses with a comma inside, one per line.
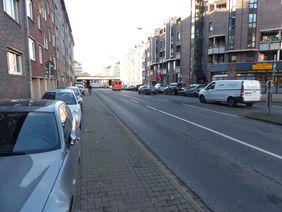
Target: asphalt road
(232,163)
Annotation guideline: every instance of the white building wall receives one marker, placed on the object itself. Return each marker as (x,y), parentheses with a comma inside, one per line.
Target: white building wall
(131,66)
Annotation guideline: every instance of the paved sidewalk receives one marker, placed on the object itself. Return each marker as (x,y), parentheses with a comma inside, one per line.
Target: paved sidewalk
(276,97)
(274,118)
(118,173)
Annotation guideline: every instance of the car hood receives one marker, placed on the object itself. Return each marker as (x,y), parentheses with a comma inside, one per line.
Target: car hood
(74,108)
(27,180)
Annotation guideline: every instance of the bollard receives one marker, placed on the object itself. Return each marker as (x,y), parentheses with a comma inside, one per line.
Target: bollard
(269,86)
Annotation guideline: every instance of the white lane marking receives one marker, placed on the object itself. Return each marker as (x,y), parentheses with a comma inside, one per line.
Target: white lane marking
(152,108)
(219,133)
(133,100)
(165,100)
(210,110)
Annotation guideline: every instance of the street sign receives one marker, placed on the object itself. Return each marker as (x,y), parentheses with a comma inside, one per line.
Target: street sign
(262,66)
(49,68)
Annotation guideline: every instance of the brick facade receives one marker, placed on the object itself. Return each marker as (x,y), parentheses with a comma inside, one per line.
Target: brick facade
(13,38)
(33,24)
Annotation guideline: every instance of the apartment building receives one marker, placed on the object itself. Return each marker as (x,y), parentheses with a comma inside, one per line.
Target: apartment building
(64,45)
(146,64)
(132,65)
(243,40)
(14,74)
(42,42)
(166,53)
(77,66)
(28,49)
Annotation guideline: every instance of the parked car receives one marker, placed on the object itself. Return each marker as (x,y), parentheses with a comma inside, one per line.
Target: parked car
(39,155)
(76,92)
(81,87)
(147,89)
(160,87)
(175,89)
(232,92)
(67,96)
(193,89)
(130,87)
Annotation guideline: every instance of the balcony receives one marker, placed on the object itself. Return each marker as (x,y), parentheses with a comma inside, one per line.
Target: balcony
(268,46)
(216,50)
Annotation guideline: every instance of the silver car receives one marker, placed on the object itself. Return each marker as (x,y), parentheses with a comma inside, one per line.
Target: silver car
(39,155)
(69,97)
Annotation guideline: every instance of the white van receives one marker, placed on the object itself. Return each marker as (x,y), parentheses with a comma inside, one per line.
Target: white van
(232,92)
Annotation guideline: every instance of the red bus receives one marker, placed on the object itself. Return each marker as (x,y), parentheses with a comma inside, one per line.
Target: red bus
(116,85)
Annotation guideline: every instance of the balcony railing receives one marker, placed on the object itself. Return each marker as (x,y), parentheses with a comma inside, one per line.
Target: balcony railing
(216,50)
(272,45)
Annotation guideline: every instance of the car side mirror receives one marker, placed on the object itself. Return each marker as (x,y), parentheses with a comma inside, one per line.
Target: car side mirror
(73,138)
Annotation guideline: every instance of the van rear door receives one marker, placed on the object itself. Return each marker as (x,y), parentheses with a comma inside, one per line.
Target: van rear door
(252,90)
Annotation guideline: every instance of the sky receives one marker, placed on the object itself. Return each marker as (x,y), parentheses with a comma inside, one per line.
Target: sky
(104,31)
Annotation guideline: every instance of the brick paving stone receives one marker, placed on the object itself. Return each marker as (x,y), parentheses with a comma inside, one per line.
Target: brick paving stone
(118,173)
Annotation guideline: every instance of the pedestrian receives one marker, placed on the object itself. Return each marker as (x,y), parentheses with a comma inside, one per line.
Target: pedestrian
(89,89)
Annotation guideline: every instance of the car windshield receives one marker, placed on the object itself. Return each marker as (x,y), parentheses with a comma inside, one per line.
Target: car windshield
(79,86)
(68,98)
(27,132)
(76,92)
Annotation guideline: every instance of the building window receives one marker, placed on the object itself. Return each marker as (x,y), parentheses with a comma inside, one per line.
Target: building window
(11,8)
(48,8)
(53,40)
(31,46)
(210,26)
(252,23)
(29,9)
(252,18)
(44,16)
(38,21)
(178,36)
(49,36)
(45,40)
(14,62)
(55,62)
(40,52)
(253,4)
(233,58)
(211,7)
(52,17)
(221,6)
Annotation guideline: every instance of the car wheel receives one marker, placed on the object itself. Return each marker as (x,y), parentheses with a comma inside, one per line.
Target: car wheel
(231,102)
(249,104)
(139,92)
(202,99)
(174,92)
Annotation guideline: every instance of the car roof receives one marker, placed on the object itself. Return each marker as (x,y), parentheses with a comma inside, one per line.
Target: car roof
(72,87)
(28,105)
(60,90)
